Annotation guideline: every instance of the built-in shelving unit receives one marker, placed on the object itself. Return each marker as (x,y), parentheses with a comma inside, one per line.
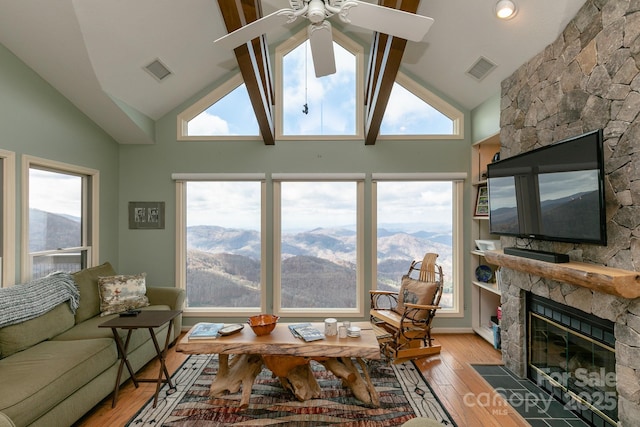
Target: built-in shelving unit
(485,296)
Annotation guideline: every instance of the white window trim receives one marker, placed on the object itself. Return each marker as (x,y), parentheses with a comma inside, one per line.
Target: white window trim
(457,179)
(349,45)
(358,310)
(201,105)
(8,264)
(31,161)
(181,242)
(434,101)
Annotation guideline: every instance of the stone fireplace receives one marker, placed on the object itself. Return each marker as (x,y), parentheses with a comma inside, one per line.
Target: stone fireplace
(586,79)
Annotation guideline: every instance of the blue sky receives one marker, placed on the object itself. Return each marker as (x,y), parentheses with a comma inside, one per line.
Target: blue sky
(331,102)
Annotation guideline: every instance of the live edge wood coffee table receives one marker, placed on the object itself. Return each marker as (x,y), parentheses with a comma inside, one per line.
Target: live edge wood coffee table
(242,355)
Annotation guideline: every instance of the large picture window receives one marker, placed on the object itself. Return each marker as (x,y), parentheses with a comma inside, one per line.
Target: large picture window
(413,218)
(224,245)
(294,244)
(59,208)
(318,247)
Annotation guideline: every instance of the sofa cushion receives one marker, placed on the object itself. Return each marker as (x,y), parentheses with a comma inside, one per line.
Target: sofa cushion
(23,335)
(87,282)
(415,291)
(40,377)
(121,293)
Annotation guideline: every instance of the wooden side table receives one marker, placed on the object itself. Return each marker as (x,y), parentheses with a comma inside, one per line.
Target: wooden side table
(146,319)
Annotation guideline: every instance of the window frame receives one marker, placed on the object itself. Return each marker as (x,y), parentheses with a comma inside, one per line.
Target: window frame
(434,101)
(458,181)
(8,264)
(347,43)
(203,104)
(358,310)
(90,209)
(181,180)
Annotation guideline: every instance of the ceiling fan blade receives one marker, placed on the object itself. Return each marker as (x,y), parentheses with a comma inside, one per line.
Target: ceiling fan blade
(321,42)
(397,23)
(254,29)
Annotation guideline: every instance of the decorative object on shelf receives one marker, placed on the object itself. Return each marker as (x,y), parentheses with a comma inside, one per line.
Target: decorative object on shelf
(263,324)
(146,215)
(484,273)
(482,201)
(488,245)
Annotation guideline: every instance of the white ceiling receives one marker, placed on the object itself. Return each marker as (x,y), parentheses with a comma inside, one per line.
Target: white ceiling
(94,51)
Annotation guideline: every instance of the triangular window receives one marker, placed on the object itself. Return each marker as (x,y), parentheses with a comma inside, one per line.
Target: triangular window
(225,112)
(413,110)
(311,107)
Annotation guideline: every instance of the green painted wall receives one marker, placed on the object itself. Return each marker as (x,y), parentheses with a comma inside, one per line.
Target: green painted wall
(485,119)
(36,120)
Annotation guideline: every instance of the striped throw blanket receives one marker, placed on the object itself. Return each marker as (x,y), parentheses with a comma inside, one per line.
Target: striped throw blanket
(30,300)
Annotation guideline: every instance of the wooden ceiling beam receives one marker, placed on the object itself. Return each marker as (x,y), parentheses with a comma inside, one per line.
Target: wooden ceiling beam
(253,60)
(384,64)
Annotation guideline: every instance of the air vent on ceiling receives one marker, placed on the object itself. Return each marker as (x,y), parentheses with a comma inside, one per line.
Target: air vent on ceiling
(158,70)
(481,68)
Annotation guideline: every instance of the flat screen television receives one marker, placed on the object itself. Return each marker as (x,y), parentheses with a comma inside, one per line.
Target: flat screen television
(552,193)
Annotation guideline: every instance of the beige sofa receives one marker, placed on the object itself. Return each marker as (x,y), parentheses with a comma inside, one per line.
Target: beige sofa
(56,367)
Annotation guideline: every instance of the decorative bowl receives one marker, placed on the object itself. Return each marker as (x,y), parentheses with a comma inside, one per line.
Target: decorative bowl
(263,324)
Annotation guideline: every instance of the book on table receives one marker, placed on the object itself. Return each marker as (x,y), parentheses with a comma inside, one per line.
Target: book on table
(205,331)
(306,332)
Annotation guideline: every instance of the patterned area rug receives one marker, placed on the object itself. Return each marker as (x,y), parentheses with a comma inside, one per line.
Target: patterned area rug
(404,394)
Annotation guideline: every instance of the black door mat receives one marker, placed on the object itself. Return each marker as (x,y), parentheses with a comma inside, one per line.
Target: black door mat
(535,405)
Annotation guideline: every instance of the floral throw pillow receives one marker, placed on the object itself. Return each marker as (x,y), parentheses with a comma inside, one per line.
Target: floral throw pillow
(414,291)
(121,293)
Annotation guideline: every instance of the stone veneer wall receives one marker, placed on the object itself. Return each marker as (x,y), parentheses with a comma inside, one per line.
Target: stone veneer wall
(587,79)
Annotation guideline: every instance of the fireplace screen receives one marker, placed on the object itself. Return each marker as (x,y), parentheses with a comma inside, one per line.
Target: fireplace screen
(571,355)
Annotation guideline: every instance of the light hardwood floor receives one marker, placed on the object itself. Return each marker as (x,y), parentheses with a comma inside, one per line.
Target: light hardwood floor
(467,397)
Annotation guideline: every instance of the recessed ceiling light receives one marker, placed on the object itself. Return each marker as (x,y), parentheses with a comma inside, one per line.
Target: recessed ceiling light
(505,9)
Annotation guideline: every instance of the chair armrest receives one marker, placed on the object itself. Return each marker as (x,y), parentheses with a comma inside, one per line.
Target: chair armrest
(383,300)
(422,307)
(382,293)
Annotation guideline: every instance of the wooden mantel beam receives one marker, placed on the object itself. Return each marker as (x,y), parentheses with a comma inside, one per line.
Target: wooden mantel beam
(384,64)
(253,60)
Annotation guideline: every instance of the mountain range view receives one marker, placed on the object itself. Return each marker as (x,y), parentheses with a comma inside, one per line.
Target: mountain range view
(318,269)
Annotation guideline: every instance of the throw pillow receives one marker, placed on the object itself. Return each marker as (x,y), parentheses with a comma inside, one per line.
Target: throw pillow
(121,293)
(414,291)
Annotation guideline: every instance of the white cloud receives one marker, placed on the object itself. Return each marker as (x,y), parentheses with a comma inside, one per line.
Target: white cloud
(208,124)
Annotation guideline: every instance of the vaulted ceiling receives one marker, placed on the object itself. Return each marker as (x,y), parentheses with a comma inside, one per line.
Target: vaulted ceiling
(95,52)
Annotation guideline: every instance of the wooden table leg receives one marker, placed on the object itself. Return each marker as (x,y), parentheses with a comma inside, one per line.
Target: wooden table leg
(122,348)
(295,375)
(362,388)
(242,370)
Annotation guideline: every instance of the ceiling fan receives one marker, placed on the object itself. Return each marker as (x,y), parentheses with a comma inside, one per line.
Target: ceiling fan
(369,16)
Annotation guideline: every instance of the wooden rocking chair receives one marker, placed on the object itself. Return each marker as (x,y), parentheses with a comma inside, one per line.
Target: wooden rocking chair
(402,320)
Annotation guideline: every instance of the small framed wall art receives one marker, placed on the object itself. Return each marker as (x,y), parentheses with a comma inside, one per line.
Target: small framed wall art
(146,215)
(482,201)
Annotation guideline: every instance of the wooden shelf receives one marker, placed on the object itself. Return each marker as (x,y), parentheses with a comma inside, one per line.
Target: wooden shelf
(491,287)
(613,281)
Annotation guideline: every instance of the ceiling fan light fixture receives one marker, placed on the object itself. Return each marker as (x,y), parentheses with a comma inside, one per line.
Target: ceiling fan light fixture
(505,9)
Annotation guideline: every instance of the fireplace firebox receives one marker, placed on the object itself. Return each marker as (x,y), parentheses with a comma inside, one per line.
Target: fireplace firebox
(571,355)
